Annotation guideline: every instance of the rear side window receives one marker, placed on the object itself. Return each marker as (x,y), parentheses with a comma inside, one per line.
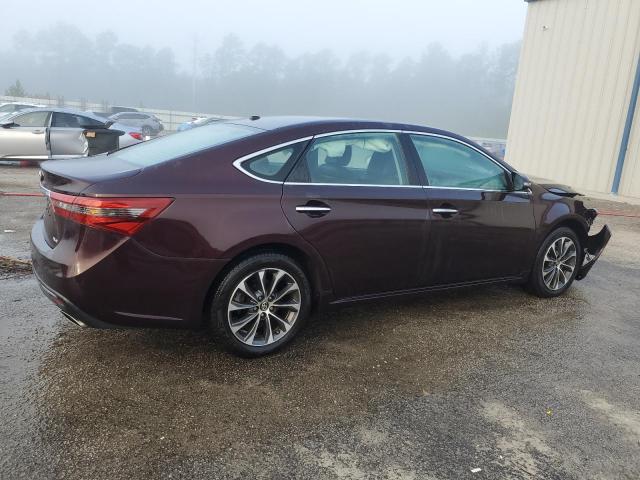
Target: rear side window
(183,143)
(451,164)
(69,120)
(274,165)
(356,159)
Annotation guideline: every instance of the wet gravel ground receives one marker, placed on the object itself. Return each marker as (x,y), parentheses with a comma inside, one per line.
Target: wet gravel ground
(425,388)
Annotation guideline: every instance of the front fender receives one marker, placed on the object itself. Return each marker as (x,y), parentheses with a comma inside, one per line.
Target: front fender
(594,247)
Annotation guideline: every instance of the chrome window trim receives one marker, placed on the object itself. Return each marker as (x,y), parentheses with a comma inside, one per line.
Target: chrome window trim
(434,187)
(351,185)
(238,162)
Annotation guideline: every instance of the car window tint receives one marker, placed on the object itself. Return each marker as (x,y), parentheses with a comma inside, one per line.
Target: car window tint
(32,119)
(183,143)
(70,120)
(273,165)
(361,159)
(451,164)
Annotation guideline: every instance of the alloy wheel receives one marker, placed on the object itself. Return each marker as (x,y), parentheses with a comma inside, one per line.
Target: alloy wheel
(559,263)
(264,306)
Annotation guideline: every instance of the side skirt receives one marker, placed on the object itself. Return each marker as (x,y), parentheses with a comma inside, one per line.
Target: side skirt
(415,291)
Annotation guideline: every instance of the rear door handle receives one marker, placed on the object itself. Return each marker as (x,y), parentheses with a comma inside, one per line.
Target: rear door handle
(445,211)
(314,209)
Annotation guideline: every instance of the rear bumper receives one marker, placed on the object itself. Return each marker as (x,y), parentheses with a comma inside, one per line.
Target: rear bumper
(593,248)
(69,310)
(125,285)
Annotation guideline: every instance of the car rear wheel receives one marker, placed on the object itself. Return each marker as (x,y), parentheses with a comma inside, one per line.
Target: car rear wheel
(556,264)
(146,131)
(260,305)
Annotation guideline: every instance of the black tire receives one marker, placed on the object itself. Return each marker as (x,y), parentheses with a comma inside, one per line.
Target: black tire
(536,284)
(219,322)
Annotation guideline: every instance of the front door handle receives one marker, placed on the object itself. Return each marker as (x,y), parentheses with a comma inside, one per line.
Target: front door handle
(445,210)
(314,209)
(37,132)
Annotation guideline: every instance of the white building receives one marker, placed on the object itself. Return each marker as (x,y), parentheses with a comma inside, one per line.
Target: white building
(574,116)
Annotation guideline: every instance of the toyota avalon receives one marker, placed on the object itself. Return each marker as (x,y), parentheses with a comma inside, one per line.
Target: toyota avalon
(245,226)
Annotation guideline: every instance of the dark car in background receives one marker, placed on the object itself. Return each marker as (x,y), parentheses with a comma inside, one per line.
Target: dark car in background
(146,123)
(246,225)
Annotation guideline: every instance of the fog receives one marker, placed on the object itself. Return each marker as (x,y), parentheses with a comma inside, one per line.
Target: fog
(448,64)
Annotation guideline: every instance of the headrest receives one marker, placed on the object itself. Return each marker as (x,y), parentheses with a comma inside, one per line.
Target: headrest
(334,148)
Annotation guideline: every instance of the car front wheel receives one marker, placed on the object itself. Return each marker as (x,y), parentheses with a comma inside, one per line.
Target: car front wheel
(556,264)
(260,305)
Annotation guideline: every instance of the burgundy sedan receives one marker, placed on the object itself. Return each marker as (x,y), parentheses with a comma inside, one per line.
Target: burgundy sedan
(247,225)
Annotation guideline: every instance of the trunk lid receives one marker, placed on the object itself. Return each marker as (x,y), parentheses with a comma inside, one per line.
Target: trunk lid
(72,177)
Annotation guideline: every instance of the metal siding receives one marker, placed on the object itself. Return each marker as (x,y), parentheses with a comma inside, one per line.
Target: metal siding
(630,183)
(573,90)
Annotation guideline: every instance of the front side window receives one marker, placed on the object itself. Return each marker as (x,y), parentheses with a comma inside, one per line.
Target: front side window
(273,165)
(32,119)
(451,164)
(357,159)
(183,143)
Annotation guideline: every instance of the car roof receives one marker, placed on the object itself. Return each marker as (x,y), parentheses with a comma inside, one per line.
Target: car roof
(328,124)
(296,127)
(61,110)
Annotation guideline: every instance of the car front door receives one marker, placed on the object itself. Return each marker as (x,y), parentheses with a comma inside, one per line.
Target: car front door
(66,135)
(480,228)
(357,200)
(26,137)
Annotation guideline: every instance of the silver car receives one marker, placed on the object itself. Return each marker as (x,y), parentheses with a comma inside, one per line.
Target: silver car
(146,123)
(56,133)
(7,109)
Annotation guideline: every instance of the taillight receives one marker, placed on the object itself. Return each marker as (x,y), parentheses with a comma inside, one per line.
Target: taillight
(122,215)
(136,135)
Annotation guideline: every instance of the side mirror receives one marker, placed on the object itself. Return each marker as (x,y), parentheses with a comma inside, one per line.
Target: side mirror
(520,182)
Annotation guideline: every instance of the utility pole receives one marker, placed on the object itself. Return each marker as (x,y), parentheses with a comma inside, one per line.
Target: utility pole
(194,73)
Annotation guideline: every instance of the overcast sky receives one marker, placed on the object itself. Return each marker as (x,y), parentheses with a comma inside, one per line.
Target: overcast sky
(399,28)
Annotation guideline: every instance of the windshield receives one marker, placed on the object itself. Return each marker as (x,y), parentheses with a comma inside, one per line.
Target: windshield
(183,143)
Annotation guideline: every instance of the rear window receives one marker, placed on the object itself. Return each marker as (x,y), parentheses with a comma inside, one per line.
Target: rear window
(183,143)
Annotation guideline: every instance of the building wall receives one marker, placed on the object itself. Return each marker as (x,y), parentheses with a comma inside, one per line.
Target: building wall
(573,90)
(630,182)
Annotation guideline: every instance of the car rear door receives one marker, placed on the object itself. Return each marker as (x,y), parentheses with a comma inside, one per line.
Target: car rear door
(27,137)
(66,135)
(357,200)
(480,228)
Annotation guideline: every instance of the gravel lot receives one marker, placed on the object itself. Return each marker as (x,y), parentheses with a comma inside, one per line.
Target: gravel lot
(430,388)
